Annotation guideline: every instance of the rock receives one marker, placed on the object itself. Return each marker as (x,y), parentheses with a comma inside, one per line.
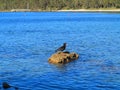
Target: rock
(62,58)
(6,85)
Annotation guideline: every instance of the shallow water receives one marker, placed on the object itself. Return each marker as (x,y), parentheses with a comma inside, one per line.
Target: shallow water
(27,40)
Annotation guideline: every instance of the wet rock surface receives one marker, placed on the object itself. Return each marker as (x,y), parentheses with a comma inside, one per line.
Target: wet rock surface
(63,57)
(5,85)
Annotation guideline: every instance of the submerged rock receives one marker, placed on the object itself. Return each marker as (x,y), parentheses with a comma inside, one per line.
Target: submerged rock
(63,57)
(5,85)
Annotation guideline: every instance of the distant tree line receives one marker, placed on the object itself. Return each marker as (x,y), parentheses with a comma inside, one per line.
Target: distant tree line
(57,4)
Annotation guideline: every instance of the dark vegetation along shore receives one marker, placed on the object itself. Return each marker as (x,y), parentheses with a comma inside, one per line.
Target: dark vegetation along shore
(49,5)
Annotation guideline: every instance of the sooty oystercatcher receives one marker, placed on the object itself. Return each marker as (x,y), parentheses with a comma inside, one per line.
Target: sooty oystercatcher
(62,48)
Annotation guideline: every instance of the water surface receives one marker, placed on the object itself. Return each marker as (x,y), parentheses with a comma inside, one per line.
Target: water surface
(28,39)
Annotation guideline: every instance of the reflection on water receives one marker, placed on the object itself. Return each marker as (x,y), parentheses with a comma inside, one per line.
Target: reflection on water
(28,39)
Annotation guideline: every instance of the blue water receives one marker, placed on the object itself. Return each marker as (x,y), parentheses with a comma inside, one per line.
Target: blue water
(28,39)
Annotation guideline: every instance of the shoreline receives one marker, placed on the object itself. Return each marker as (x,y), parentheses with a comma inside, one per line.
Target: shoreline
(69,10)
(91,10)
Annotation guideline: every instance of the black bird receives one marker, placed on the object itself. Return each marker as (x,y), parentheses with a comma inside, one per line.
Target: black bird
(62,48)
